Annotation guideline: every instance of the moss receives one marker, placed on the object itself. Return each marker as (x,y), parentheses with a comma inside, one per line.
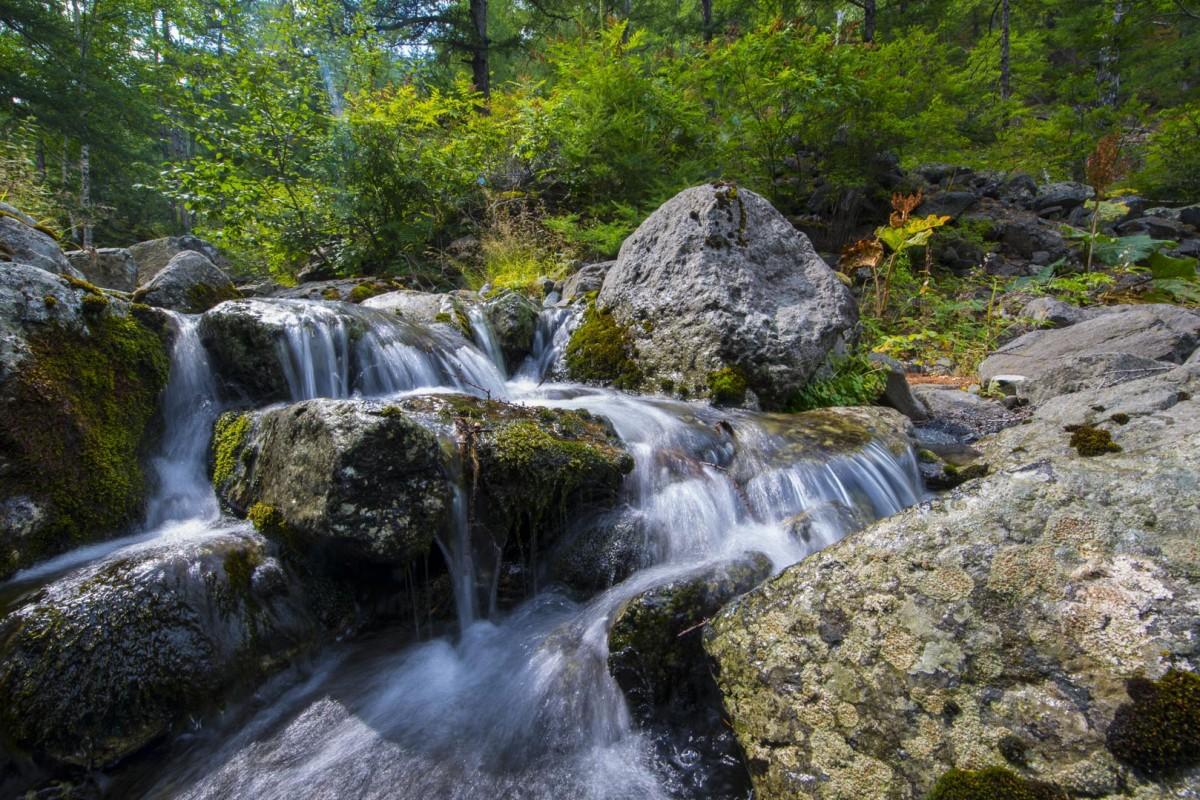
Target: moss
(229,436)
(94,303)
(601,350)
(50,300)
(240,564)
(1120,418)
(363,291)
(993,783)
(331,293)
(203,296)
(267,520)
(727,387)
(1159,731)
(73,427)
(1089,440)
(79,283)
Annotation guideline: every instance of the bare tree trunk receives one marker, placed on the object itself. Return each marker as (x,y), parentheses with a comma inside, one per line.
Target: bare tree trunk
(480,72)
(706,12)
(1005,52)
(85,193)
(869,14)
(1108,74)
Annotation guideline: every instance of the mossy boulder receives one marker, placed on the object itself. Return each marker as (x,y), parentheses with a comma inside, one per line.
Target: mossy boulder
(718,279)
(23,243)
(513,317)
(601,350)
(359,479)
(97,665)
(190,283)
(80,378)
(994,627)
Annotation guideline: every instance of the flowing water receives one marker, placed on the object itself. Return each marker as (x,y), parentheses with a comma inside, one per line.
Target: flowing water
(520,704)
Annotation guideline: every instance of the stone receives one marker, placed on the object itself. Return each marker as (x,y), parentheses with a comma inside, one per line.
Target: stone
(897,392)
(1019,190)
(994,626)
(1155,228)
(596,553)
(717,279)
(24,244)
(1091,370)
(80,377)
(154,255)
(1024,236)
(347,290)
(586,280)
(514,318)
(426,308)
(106,267)
(1056,313)
(1066,195)
(190,283)
(964,415)
(1155,332)
(949,204)
(942,173)
(103,662)
(1190,215)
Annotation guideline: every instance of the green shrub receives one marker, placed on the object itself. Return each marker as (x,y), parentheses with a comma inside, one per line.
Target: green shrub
(856,381)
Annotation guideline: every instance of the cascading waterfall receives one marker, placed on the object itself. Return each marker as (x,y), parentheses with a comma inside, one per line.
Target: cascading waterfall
(554,328)
(485,337)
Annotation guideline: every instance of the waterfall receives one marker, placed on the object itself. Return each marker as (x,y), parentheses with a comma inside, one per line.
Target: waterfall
(554,328)
(485,337)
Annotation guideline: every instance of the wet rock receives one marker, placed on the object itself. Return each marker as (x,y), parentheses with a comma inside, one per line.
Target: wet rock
(190,283)
(897,392)
(358,479)
(1155,332)
(513,317)
(716,279)
(154,255)
(587,279)
(964,415)
(97,665)
(24,244)
(347,290)
(998,623)
(596,554)
(80,377)
(425,308)
(106,267)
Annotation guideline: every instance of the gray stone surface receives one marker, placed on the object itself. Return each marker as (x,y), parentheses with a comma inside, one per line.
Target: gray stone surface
(190,283)
(106,267)
(24,244)
(152,256)
(589,278)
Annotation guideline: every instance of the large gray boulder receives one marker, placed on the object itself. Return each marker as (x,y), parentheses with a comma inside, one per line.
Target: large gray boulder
(717,280)
(190,283)
(1065,195)
(1155,332)
(106,267)
(25,244)
(358,478)
(101,663)
(154,255)
(80,378)
(993,627)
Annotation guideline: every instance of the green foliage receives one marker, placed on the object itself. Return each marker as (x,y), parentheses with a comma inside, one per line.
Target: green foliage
(1159,731)
(601,350)
(1172,170)
(992,783)
(517,250)
(727,387)
(856,380)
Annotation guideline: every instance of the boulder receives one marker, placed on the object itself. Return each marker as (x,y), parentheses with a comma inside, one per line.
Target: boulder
(80,377)
(99,664)
(1025,236)
(939,173)
(24,244)
(190,283)
(514,318)
(961,414)
(354,478)
(896,392)
(597,553)
(152,256)
(347,290)
(1019,190)
(717,283)
(8,210)
(426,308)
(1009,624)
(106,267)
(589,278)
(1056,313)
(1087,371)
(1065,195)
(1155,228)
(1155,332)
(948,204)
(1190,215)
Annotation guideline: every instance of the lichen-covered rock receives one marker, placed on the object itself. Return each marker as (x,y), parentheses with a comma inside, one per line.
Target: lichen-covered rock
(190,283)
(21,243)
(349,290)
(425,308)
(154,255)
(80,377)
(996,626)
(359,478)
(718,279)
(99,664)
(513,317)
(106,267)
(587,279)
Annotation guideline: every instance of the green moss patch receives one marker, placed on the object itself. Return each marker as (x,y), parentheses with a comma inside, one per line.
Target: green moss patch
(1089,441)
(74,425)
(229,436)
(993,783)
(203,296)
(1159,731)
(601,351)
(727,387)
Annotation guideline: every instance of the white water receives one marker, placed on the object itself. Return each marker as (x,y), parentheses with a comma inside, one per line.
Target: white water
(520,705)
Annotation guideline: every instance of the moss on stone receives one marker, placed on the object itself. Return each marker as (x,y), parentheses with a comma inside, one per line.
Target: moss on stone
(364,291)
(229,436)
(74,424)
(94,303)
(601,350)
(993,783)
(203,296)
(1088,440)
(267,520)
(1159,731)
(1120,418)
(331,293)
(50,300)
(240,564)
(727,387)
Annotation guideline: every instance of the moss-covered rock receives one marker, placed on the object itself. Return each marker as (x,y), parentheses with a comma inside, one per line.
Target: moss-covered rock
(80,379)
(190,283)
(1159,731)
(601,351)
(727,387)
(513,317)
(993,783)
(101,663)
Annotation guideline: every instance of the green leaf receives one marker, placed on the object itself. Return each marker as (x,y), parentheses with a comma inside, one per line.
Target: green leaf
(1165,266)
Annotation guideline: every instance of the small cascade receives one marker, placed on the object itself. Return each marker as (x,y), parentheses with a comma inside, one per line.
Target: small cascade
(485,337)
(554,328)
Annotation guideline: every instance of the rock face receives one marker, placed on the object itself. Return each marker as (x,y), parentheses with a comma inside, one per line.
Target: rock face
(190,283)
(106,267)
(589,278)
(154,255)
(101,663)
(358,478)
(23,244)
(1156,332)
(716,279)
(80,376)
(996,626)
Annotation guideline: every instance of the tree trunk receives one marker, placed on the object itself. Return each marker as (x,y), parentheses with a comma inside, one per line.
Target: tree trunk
(1108,74)
(480,74)
(1005,53)
(85,193)
(869,12)
(706,11)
